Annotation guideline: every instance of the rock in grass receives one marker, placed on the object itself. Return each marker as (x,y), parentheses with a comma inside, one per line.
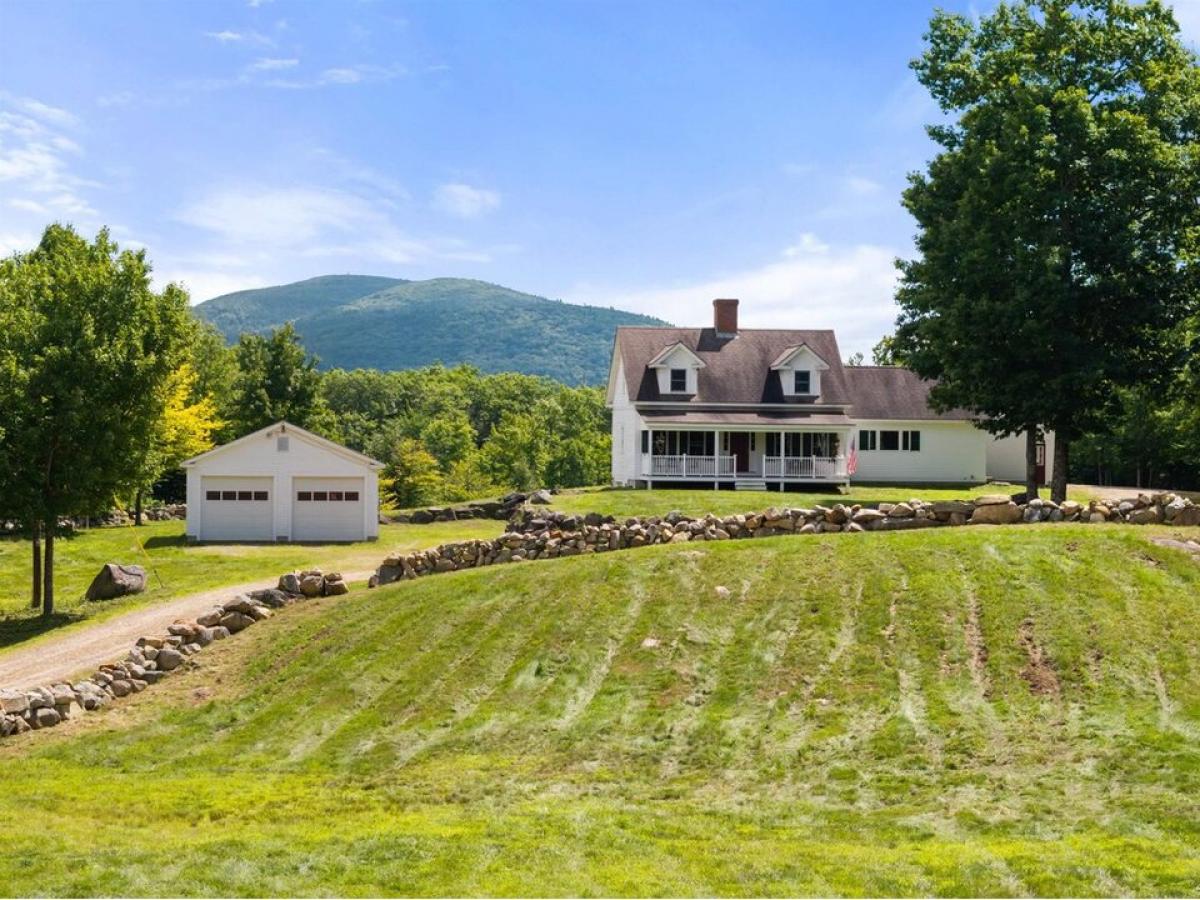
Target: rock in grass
(169,658)
(46,716)
(210,618)
(116,580)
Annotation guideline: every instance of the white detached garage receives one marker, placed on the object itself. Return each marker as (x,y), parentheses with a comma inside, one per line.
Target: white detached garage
(282,483)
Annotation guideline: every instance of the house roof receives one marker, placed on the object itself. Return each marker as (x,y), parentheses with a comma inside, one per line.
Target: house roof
(289,429)
(737,369)
(892,392)
(768,418)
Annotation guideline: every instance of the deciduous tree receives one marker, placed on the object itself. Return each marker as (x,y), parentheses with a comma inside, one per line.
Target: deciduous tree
(84,370)
(1058,222)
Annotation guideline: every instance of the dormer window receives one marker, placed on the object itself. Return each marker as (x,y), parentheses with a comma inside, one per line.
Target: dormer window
(679,381)
(800,370)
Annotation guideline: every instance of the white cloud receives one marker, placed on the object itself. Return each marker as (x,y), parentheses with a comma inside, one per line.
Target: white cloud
(37,163)
(17,242)
(271,64)
(46,113)
(814,285)
(284,217)
(229,36)
(362,73)
(317,223)
(202,285)
(118,98)
(464,201)
(341,76)
(862,187)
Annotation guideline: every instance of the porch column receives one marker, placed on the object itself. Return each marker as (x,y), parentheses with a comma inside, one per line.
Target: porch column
(782,460)
(716,453)
(650,461)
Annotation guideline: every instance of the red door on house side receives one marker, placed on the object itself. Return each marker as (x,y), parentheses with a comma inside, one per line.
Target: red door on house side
(1040,463)
(739,446)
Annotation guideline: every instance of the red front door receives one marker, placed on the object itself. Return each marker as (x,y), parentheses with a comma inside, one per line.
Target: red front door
(1040,463)
(739,446)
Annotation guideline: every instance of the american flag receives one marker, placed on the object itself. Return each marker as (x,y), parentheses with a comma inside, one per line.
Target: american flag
(852,459)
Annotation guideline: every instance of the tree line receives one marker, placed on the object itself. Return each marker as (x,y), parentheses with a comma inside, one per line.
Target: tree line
(444,434)
(107,386)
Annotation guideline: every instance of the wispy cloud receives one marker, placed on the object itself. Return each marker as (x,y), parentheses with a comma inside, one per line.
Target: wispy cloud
(229,36)
(273,64)
(465,201)
(38,162)
(252,227)
(812,285)
(361,73)
(117,98)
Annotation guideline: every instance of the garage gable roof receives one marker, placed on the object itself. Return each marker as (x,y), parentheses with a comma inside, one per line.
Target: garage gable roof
(291,431)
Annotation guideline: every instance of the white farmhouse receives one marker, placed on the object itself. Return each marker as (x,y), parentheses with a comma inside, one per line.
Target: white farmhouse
(773,408)
(282,483)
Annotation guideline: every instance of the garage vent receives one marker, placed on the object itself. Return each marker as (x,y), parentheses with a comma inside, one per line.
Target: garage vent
(281,444)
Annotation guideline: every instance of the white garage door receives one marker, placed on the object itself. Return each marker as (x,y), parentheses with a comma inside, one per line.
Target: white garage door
(327,509)
(237,509)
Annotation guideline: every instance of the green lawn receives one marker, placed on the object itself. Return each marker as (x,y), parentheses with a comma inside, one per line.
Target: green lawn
(623,502)
(858,716)
(176,568)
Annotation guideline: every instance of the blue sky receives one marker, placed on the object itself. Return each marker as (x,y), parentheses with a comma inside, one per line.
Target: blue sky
(648,156)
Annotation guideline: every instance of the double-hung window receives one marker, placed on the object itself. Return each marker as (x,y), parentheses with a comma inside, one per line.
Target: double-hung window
(679,381)
(802,381)
(868,440)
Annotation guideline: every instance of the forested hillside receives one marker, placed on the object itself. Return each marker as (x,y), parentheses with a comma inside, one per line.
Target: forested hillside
(353,321)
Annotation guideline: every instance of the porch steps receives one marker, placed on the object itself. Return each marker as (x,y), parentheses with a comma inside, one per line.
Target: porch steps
(743,485)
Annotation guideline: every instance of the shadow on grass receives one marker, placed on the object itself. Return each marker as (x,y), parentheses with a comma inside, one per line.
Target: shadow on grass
(15,629)
(164,540)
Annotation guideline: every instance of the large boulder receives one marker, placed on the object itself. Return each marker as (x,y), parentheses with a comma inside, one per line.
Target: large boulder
(116,580)
(996,514)
(542,498)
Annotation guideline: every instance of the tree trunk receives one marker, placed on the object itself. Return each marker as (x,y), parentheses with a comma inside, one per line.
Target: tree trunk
(1031,479)
(35,599)
(137,507)
(1058,482)
(48,576)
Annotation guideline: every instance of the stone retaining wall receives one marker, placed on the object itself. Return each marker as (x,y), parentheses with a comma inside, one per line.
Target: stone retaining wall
(501,509)
(543,534)
(154,657)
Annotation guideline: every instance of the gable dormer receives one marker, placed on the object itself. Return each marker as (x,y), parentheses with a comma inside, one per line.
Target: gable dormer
(800,371)
(678,370)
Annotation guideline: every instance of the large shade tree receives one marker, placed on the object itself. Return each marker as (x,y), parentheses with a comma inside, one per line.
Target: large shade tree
(1058,221)
(86,357)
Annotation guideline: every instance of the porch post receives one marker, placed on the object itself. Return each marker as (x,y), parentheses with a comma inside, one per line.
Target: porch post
(716,454)
(650,464)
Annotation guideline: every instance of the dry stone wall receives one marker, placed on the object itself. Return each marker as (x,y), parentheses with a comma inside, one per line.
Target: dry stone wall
(542,534)
(154,657)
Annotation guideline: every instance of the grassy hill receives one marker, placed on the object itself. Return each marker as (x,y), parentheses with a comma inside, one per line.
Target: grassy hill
(972,711)
(403,324)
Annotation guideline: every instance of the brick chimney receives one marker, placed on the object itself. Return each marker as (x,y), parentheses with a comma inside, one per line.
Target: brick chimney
(725,317)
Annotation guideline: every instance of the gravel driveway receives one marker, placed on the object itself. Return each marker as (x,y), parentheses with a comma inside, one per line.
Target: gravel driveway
(83,649)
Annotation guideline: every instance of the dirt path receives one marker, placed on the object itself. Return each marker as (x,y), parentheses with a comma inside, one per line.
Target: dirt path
(60,658)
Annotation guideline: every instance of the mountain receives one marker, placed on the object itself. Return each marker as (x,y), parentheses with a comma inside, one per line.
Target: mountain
(358,321)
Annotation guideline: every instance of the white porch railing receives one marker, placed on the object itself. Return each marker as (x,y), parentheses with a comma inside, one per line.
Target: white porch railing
(688,466)
(807,467)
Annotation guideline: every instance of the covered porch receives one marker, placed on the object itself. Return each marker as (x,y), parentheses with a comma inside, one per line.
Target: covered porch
(751,457)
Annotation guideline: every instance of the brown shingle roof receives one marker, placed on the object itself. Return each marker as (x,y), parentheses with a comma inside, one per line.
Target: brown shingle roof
(891,392)
(738,369)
